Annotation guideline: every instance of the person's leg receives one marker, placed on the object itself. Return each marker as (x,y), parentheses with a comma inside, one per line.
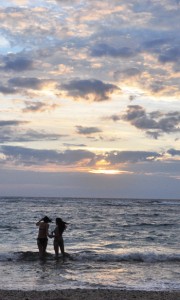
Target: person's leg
(40,247)
(56,248)
(44,246)
(61,245)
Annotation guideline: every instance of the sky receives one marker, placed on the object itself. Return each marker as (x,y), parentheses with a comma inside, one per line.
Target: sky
(89,98)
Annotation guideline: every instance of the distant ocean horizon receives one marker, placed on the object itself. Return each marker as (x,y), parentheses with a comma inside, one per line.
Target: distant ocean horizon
(123,243)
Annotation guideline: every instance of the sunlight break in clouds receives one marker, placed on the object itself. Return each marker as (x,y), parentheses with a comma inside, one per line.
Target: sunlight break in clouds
(91,87)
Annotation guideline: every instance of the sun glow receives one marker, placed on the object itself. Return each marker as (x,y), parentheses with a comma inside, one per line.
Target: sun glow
(106,172)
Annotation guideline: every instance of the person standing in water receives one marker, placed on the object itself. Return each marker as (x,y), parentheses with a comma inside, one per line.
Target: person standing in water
(58,238)
(43,234)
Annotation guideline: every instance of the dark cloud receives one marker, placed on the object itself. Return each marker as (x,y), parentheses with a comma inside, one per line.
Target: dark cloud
(127,73)
(116,157)
(74,145)
(153,134)
(160,122)
(87,130)
(114,117)
(7,90)
(17,64)
(29,156)
(170,55)
(154,123)
(12,123)
(157,87)
(134,112)
(30,83)
(131,72)
(106,50)
(174,152)
(169,123)
(156,43)
(90,89)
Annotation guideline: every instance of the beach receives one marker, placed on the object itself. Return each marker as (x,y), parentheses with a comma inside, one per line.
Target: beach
(89,294)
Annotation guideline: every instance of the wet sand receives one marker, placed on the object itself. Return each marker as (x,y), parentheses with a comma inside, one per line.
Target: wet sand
(89,294)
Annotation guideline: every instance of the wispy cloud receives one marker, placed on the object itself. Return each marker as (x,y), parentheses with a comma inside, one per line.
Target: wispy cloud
(38,106)
(87,130)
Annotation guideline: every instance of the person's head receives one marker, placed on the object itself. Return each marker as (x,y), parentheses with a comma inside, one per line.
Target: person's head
(61,224)
(59,221)
(47,220)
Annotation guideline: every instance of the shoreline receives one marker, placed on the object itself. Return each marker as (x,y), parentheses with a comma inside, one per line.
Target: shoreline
(89,294)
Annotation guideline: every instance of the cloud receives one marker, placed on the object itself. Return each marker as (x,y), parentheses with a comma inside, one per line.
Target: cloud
(7,90)
(131,72)
(114,117)
(87,55)
(74,145)
(16,64)
(83,158)
(154,123)
(29,156)
(33,135)
(153,134)
(117,157)
(87,130)
(157,121)
(12,123)
(11,132)
(38,107)
(174,152)
(170,55)
(107,50)
(90,89)
(157,43)
(10,135)
(30,83)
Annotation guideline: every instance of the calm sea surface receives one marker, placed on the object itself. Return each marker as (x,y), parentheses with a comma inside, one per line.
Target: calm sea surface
(113,243)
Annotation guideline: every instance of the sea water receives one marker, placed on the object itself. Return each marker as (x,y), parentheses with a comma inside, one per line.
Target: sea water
(113,243)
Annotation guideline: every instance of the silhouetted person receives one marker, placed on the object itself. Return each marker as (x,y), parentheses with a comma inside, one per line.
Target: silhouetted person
(58,238)
(43,234)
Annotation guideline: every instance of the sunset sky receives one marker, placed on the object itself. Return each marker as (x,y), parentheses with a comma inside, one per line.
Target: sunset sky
(89,98)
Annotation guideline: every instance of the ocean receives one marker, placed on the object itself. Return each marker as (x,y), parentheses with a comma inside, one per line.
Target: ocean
(127,244)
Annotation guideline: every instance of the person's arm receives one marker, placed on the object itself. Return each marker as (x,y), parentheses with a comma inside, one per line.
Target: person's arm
(52,235)
(37,224)
(47,229)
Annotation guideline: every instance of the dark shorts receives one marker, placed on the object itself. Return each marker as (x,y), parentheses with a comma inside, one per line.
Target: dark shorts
(42,242)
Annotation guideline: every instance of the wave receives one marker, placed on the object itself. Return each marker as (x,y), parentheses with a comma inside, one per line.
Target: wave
(91,256)
(149,225)
(149,257)
(7,227)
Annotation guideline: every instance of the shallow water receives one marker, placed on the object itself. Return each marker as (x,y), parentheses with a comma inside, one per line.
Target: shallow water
(117,243)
